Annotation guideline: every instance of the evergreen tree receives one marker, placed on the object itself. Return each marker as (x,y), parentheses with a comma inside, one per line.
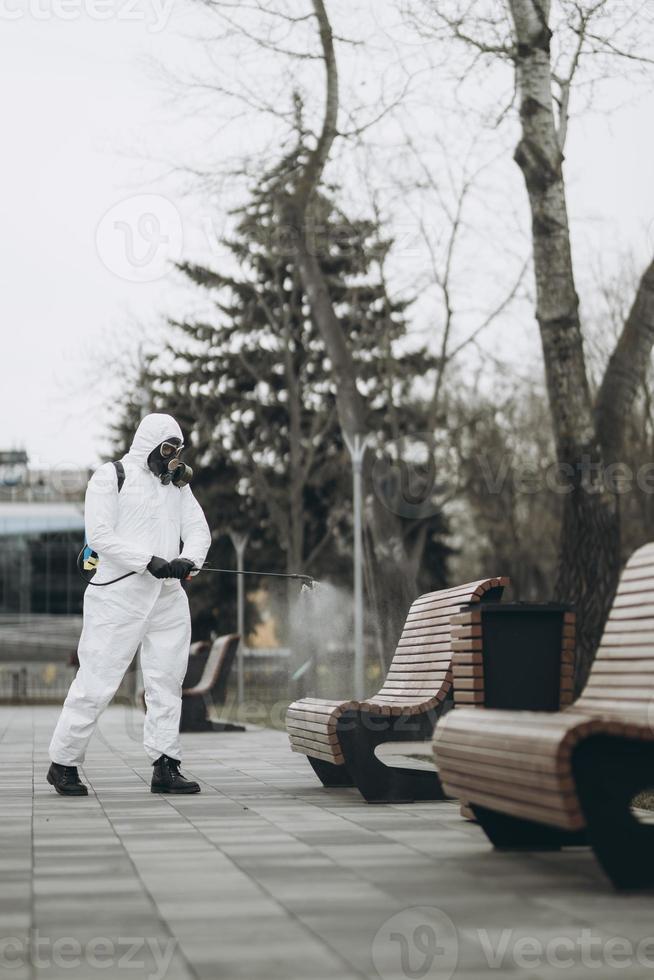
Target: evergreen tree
(252,385)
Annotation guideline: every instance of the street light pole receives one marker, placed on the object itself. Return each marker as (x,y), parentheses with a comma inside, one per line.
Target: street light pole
(240,543)
(357,448)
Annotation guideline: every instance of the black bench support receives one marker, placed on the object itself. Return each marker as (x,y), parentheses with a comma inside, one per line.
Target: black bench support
(609,772)
(361,732)
(330,775)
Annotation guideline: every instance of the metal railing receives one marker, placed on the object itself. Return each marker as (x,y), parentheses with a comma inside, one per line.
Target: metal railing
(34,683)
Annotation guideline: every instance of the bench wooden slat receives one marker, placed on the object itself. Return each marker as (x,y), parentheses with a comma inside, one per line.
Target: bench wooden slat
(312,735)
(469,670)
(470,589)
(468,697)
(414,648)
(309,726)
(439,641)
(465,637)
(630,629)
(433,614)
(622,666)
(463,657)
(322,707)
(415,662)
(616,692)
(541,813)
(534,783)
(310,748)
(481,754)
(314,716)
(643,681)
(434,670)
(634,594)
(636,614)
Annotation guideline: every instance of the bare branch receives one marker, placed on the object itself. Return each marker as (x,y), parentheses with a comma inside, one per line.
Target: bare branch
(455,26)
(316,164)
(359,130)
(608,46)
(494,314)
(260,8)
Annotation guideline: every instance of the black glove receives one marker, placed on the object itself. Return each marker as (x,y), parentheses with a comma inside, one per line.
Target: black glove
(181,568)
(159,567)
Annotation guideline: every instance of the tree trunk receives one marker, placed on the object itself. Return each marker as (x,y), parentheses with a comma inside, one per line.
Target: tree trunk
(395,578)
(590,545)
(626,370)
(396,586)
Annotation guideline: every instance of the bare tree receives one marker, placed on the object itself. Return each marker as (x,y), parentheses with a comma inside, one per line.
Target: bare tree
(394,575)
(546,52)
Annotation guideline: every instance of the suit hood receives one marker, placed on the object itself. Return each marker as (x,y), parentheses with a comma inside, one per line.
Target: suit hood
(152,431)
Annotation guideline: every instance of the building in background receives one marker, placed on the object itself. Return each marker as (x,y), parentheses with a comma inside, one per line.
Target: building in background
(41,533)
(13,468)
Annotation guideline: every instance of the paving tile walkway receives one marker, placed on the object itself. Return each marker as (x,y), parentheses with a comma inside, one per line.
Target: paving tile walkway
(267,875)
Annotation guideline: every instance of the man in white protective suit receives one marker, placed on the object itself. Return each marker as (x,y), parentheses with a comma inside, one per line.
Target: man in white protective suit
(136,524)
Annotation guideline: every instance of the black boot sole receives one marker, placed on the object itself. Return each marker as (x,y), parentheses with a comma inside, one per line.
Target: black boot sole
(177,792)
(62,792)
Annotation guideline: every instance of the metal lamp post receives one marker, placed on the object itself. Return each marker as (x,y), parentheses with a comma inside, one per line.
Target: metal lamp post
(357,449)
(240,543)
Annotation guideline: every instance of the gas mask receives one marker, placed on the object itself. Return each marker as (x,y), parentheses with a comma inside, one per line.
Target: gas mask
(165,463)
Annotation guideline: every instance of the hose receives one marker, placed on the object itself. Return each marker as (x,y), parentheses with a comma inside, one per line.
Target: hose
(99,585)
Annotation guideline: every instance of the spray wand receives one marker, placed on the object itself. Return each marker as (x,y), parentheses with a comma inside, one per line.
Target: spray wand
(307,581)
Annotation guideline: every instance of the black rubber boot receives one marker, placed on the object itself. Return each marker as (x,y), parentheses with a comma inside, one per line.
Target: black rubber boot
(66,781)
(166,777)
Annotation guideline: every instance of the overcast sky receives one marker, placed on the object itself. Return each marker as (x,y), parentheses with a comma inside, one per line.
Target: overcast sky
(84,114)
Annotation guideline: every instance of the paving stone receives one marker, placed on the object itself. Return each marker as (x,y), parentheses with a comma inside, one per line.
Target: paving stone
(266,875)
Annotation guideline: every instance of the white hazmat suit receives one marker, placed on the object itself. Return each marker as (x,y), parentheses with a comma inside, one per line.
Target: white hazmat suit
(126,529)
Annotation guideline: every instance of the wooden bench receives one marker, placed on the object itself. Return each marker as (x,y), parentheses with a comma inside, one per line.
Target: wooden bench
(542,781)
(340,737)
(197,659)
(210,689)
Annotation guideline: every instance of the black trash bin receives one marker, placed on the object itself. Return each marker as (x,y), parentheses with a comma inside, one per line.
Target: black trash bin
(525,652)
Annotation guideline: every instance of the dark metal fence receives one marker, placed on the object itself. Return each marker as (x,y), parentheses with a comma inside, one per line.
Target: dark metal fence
(36,667)
(34,683)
